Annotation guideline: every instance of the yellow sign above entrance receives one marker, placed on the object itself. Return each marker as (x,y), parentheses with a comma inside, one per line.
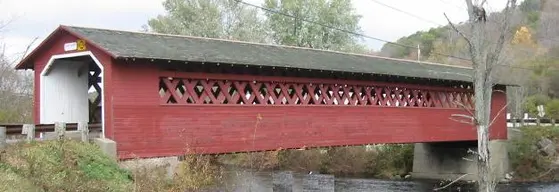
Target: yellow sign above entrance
(81,45)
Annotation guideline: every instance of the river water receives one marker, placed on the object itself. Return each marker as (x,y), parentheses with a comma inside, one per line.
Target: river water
(246,181)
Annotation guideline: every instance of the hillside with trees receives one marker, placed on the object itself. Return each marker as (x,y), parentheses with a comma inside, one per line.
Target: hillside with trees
(533,49)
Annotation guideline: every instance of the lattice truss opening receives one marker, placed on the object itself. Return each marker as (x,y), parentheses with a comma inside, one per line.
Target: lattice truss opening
(94,90)
(202,91)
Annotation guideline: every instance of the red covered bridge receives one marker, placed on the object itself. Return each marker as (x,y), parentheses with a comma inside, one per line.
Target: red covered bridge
(159,94)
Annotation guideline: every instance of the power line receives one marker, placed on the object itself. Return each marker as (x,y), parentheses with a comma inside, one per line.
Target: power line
(495,22)
(430,21)
(363,35)
(407,13)
(324,25)
(436,23)
(343,30)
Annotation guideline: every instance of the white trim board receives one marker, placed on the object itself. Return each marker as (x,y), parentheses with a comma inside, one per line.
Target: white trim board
(47,69)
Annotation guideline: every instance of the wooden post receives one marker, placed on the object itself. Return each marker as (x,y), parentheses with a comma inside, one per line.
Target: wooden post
(60,129)
(3,137)
(84,131)
(29,130)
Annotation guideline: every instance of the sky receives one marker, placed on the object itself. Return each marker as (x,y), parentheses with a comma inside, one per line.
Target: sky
(30,19)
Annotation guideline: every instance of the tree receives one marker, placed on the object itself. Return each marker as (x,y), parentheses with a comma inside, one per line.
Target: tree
(523,50)
(485,56)
(547,25)
(225,19)
(296,32)
(16,99)
(523,36)
(449,46)
(552,110)
(532,103)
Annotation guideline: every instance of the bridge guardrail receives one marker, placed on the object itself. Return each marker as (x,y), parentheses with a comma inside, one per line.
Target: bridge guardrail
(17,129)
(47,132)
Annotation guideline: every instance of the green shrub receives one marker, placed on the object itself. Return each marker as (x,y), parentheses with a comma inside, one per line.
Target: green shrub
(386,161)
(301,160)
(532,102)
(391,160)
(347,161)
(265,160)
(552,109)
(527,162)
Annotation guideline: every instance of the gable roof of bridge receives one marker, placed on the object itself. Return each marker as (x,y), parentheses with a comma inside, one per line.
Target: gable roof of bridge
(139,45)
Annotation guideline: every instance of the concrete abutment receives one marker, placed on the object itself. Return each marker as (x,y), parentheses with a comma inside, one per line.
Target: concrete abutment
(451,160)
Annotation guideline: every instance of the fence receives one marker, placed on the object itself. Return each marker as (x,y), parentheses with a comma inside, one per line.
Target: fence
(82,131)
(528,120)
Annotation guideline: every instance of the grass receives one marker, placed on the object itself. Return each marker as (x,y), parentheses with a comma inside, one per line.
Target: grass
(61,166)
(196,172)
(68,165)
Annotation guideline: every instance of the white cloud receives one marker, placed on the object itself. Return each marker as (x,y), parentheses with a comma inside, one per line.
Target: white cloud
(37,18)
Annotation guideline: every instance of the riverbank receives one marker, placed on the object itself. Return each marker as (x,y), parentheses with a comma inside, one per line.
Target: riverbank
(380,161)
(43,166)
(533,154)
(530,161)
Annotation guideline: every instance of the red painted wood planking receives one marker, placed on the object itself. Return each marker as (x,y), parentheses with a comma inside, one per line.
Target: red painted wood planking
(147,128)
(147,119)
(55,47)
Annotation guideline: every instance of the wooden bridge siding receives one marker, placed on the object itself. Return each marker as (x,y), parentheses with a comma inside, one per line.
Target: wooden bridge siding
(56,46)
(218,129)
(146,128)
(499,127)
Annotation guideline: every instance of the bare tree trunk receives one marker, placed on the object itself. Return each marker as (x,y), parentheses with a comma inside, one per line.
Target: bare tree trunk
(483,92)
(484,58)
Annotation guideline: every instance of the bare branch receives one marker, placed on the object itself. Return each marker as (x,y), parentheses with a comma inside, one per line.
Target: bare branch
(497,90)
(471,119)
(545,173)
(456,180)
(3,24)
(28,48)
(468,40)
(460,104)
(458,31)
(495,56)
(498,113)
